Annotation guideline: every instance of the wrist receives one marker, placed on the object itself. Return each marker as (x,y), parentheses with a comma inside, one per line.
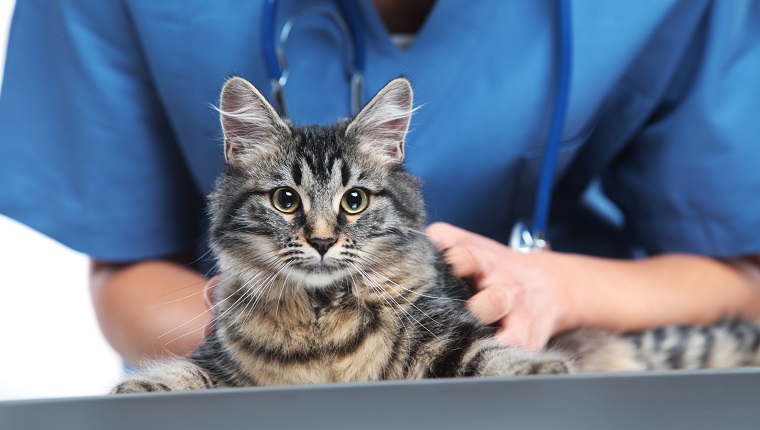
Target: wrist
(567,281)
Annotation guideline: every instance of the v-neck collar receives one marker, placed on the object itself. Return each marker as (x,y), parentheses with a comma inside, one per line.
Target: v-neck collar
(444,15)
(435,60)
(379,32)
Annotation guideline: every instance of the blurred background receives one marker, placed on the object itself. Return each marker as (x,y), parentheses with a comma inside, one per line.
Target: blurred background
(50,344)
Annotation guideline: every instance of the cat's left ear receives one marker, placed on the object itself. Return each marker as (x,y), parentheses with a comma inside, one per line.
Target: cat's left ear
(382,125)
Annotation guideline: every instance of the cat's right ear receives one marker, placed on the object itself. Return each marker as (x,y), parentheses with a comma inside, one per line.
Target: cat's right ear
(250,124)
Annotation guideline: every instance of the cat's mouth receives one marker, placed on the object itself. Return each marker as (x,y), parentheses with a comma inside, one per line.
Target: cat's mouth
(320,267)
(320,274)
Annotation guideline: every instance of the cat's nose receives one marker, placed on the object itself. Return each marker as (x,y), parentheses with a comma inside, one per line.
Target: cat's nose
(322,244)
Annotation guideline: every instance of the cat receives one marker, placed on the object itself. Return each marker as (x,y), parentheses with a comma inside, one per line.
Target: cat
(327,275)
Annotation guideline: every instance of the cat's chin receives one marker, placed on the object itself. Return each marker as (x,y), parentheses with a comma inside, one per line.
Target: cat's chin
(318,276)
(319,280)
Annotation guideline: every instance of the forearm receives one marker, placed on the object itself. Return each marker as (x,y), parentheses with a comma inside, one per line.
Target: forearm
(149,309)
(669,289)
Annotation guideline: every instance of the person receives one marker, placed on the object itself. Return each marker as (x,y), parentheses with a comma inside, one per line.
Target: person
(110,143)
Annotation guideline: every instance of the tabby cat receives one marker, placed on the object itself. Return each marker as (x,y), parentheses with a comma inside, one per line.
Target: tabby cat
(328,276)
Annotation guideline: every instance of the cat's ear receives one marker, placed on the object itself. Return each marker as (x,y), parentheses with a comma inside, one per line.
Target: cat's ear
(382,125)
(249,122)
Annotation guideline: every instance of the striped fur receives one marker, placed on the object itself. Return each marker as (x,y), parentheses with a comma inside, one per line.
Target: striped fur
(320,294)
(730,343)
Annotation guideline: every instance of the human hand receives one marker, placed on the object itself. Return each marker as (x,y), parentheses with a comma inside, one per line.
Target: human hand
(522,292)
(208,299)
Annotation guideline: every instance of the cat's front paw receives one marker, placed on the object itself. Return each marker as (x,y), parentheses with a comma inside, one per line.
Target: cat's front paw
(140,385)
(177,375)
(510,361)
(544,366)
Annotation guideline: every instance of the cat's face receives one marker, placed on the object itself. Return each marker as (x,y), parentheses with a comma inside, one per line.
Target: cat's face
(318,204)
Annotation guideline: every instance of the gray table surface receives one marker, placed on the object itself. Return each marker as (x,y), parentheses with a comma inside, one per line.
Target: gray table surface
(668,400)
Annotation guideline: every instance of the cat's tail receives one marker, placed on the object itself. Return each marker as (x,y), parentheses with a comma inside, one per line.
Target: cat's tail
(731,343)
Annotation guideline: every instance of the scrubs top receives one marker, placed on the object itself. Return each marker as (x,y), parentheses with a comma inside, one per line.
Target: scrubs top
(109,141)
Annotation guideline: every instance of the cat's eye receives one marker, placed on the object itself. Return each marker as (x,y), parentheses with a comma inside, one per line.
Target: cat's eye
(285,200)
(354,201)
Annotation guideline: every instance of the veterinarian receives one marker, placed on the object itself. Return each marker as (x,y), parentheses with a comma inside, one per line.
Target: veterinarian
(109,144)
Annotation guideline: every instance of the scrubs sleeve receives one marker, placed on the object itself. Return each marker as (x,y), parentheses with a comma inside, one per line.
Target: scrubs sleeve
(690,182)
(87,155)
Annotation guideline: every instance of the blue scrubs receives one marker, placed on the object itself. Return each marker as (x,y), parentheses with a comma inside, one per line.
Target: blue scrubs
(109,143)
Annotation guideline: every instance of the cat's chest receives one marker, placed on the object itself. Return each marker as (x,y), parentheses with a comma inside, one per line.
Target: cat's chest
(325,328)
(320,344)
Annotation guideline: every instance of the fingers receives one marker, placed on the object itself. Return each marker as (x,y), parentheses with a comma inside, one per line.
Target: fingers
(469,254)
(467,261)
(491,304)
(446,235)
(208,298)
(208,291)
(515,331)
(512,289)
(520,330)
(517,328)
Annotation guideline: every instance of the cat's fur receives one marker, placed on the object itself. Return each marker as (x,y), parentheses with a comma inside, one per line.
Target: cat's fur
(322,295)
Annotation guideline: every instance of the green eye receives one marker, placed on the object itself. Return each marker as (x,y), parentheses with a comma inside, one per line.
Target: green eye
(285,200)
(354,201)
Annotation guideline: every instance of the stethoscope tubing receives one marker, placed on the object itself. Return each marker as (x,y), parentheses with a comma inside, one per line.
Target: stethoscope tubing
(562,88)
(348,21)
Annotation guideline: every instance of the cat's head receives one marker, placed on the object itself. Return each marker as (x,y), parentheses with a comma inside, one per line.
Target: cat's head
(315,205)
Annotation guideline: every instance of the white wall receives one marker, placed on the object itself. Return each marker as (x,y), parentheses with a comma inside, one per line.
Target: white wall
(50,344)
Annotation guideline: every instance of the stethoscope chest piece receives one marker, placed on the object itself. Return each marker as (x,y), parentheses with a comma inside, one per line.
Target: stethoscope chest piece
(522,240)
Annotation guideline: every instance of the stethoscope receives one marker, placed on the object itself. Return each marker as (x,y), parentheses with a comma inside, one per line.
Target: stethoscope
(348,21)
(274,49)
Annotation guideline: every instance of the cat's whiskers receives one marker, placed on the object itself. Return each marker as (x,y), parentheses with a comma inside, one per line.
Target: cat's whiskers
(210,309)
(391,305)
(193,319)
(282,289)
(377,287)
(403,296)
(175,300)
(201,257)
(406,312)
(253,292)
(374,259)
(250,294)
(175,291)
(272,259)
(213,321)
(419,232)
(355,292)
(391,282)
(265,287)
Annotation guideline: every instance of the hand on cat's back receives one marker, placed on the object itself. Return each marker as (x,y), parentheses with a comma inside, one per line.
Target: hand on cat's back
(524,293)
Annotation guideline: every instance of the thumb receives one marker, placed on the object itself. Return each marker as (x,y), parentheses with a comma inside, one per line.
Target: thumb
(208,291)
(209,299)
(444,235)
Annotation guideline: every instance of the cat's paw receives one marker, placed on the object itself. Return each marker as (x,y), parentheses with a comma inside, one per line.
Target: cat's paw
(178,375)
(140,385)
(544,366)
(517,362)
